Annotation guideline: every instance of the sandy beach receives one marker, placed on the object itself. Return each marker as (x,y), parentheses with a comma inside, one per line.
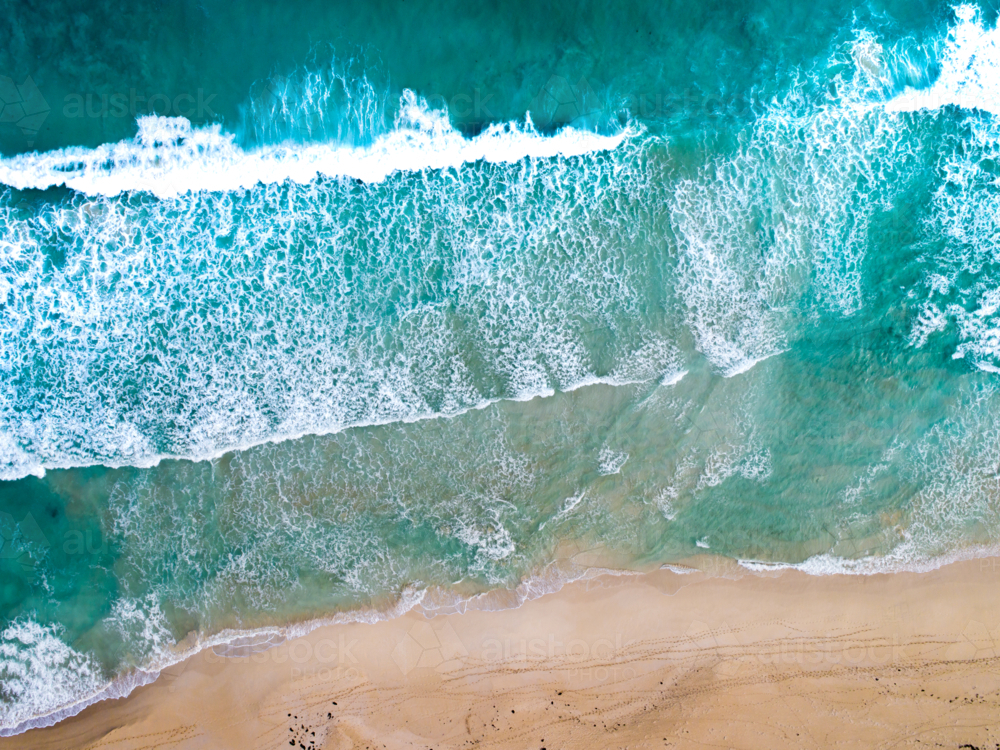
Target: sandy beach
(732,660)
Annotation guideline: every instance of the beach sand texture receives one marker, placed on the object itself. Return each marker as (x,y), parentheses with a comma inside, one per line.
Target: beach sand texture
(728,660)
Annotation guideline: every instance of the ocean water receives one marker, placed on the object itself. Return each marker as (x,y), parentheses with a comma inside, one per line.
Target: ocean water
(315,311)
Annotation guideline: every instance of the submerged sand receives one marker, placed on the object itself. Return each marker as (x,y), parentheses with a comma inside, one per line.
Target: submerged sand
(728,660)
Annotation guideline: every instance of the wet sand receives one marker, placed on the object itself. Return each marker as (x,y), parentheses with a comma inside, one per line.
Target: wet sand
(729,660)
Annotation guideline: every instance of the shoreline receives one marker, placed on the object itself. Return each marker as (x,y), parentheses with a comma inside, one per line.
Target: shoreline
(429,602)
(154,460)
(780,635)
(438,601)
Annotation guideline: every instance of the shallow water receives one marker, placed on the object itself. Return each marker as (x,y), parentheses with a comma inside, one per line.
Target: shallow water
(437,296)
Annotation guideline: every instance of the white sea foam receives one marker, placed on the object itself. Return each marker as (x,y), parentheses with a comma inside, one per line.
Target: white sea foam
(896,562)
(548,580)
(194,293)
(970,69)
(250,318)
(40,674)
(493,542)
(168,157)
(960,293)
(15,464)
(62,683)
(679,569)
(738,301)
(952,470)
(673,378)
(571,502)
(611,461)
(754,224)
(120,687)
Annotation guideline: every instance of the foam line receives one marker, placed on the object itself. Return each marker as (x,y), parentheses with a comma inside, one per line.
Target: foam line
(430,603)
(897,561)
(970,70)
(14,469)
(549,580)
(169,157)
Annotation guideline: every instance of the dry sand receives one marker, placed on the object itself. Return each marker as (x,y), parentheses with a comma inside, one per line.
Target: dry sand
(652,661)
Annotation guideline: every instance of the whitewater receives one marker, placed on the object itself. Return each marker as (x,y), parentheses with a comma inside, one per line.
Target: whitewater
(270,383)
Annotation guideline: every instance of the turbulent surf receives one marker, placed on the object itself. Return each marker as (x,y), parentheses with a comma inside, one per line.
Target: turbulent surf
(372,335)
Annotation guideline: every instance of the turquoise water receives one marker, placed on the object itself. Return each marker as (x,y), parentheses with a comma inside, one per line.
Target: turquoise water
(433,297)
